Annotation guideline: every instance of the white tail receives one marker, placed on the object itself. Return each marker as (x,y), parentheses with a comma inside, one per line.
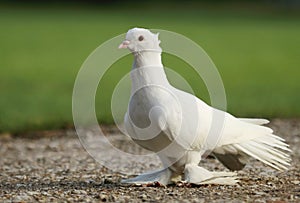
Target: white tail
(257,121)
(269,149)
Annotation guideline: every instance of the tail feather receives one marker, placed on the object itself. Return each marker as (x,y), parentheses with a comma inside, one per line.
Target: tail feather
(245,137)
(278,138)
(257,121)
(270,153)
(269,149)
(275,142)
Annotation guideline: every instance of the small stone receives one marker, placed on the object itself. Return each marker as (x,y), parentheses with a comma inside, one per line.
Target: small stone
(45,193)
(143,197)
(82,192)
(22,198)
(259,193)
(33,193)
(103,197)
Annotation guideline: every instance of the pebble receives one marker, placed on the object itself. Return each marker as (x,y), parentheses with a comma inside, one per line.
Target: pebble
(58,169)
(103,197)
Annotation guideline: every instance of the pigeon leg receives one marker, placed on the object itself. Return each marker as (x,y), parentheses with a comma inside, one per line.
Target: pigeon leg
(198,175)
(162,176)
(195,174)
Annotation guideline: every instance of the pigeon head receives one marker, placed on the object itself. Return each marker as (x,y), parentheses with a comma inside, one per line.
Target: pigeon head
(139,40)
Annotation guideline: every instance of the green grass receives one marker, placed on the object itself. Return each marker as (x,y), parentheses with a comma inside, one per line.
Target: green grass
(41,52)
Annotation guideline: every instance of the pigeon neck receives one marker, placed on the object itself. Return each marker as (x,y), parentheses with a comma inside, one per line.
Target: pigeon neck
(148,70)
(147,58)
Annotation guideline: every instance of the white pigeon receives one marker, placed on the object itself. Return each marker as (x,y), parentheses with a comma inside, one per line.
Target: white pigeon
(176,125)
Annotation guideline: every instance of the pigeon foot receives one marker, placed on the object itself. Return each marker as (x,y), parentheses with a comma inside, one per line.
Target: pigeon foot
(198,175)
(162,176)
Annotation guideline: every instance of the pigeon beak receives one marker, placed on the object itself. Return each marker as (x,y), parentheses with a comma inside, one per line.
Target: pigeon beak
(124,44)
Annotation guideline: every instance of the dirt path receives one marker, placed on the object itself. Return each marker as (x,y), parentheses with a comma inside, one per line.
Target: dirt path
(57,168)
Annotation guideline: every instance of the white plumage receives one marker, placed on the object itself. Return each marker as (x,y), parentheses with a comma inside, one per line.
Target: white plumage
(176,125)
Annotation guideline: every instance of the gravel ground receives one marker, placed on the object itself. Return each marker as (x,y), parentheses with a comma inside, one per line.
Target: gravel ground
(55,167)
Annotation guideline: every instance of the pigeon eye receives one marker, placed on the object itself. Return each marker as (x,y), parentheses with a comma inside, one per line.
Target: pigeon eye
(141,38)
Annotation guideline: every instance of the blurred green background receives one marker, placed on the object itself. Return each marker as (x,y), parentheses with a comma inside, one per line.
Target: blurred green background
(42,47)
